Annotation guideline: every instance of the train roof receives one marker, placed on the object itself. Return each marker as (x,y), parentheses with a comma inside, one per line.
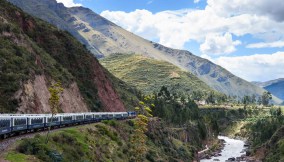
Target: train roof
(59,114)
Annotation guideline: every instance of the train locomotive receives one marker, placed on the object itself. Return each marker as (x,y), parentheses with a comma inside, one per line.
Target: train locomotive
(11,124)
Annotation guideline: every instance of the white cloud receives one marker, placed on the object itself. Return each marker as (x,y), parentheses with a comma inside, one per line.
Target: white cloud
(219,44)
(176,28)
(258,67)
(271,8)
(278,44)
(196,1)
(69,3)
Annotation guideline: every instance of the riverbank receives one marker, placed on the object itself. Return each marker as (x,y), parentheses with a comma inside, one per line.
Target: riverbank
(233,150)
(214,150)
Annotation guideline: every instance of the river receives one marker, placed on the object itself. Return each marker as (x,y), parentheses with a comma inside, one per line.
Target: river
(233,148)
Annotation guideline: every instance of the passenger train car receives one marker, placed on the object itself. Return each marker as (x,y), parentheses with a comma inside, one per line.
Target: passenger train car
(21,123)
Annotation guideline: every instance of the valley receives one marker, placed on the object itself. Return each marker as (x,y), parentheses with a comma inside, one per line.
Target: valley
(66,63)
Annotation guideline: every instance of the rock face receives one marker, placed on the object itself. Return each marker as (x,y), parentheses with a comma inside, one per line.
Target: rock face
(107,95)
(34,96)
(103,38)
(33,54)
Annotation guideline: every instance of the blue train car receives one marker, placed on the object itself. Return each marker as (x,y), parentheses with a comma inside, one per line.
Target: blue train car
(78,118)
(124,115)
(120,115)
(19,123)
(103,116)
(52,121)
(110,116)
(35,122)
(66,119)
(89,117)
(131,114)
(5,125)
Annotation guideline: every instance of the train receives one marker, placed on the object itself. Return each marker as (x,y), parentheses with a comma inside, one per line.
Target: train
(11,124)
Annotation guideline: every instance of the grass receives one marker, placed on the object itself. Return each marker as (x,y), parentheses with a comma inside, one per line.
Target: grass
(18,157)
(149,75)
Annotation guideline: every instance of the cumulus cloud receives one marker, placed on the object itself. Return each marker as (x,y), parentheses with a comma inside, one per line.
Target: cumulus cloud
(69,3)
(277,44)
(272,8)
(258,67)
(219,44)
(176,28)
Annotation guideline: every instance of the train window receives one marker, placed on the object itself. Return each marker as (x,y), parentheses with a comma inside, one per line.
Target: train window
(67,118)
(88,116)
(36,120)
(55,119)
(20,122)
(110,115)
(4,123)
(79,117)
(97,116)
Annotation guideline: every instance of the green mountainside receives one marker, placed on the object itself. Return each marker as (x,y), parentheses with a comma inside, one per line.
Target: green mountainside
(33,54)
(104,38)
(149,75)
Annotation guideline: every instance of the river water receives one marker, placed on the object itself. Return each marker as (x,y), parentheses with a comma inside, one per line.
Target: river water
(233,148)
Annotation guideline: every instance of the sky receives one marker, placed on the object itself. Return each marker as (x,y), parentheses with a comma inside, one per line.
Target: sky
(244,36)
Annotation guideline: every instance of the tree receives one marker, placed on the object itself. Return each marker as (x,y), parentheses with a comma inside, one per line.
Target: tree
(140,128)
(246,101)
(259,100)
(253,99)
(266,97)
(55,90)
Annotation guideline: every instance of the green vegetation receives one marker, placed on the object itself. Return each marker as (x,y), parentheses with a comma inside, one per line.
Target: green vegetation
(274,147)
(30,47)
(107,141)
(149,75)
(18,63)
(139,138)
(55,90)
(17,157)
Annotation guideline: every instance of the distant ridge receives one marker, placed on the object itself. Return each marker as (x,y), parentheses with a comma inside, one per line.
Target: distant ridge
(276,87)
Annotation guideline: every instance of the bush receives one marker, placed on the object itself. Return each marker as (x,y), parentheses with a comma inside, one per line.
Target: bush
(112,122)
(105,131)
(35,147)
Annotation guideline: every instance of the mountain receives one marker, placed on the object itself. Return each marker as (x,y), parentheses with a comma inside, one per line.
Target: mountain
(276,87)
(149,75)
(35,54)
(104,38)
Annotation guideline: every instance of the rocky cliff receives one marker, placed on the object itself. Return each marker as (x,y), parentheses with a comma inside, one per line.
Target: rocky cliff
(34,54)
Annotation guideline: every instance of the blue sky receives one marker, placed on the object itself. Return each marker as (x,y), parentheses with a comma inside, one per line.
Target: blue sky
(245,37)
(131,5)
